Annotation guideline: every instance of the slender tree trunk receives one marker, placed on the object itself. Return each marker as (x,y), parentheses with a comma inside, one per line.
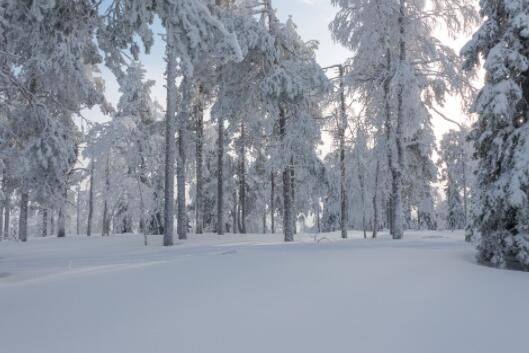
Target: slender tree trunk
(363,199)
(235,213)
(220,176)
(318,219)
(272,203)
(397,169)
(181,164)
(52,221)
(264,221)
(61,221)
(287,206)
(389,140)
(465,196)
(1,223)
(199,207)
(287,192)
(293,197)
(23,219)
(6,219)
(106,216)
(78,211)
(90,200)
(343,180)
(44,230)
(170,130)
(4,209)
(375,201)
(242,180)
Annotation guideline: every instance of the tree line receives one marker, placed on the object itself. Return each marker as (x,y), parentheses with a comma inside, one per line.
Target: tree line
(238,145)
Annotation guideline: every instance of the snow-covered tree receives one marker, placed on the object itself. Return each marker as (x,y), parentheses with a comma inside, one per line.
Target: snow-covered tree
(456,173)
(399,70)
(292,83)
(48,52)
(192,29)
(501,134)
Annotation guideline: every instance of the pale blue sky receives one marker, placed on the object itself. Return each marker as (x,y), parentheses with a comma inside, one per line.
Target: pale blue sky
(312,18)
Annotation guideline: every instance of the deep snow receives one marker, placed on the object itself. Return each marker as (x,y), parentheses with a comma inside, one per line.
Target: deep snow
(254,294)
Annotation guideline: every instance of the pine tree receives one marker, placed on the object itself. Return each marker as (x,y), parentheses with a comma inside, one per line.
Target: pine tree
(501,135)
(48,54)
(192,29)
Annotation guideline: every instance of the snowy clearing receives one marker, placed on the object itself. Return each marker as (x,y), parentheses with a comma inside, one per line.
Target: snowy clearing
(251,293)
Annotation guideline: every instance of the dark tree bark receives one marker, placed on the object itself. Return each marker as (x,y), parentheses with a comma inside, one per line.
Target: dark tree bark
(388,127)
(181,186)
(272,202)
(235,213)
(396,170)
(90,200)
(78,211)
(170,130)
(7,213)
(287,192)
(199,203)
(264,221)
(293,196)
(106,216)
(44,229)
(375,201)
(1,222)
(242,180)
(343,180)
(23,219)
(61,220)
(220,176)
(52,221)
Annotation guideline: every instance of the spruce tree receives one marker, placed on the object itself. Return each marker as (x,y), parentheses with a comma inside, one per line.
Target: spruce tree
(501,134)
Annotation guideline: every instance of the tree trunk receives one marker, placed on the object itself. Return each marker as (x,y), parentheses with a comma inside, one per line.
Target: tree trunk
(44,230)
(52,221)
(293,197)
(363,199)
(170,130)
(388,126)
(78,211)
(287,179)
(272,202)
(220,176)
(375,201)
(181,166)
(242,181)
(90,200)
(7,213)
(318,219)
(61,221)
(264,221)
(1,223)
(465,197)
(397,169)
(235,213)
(23,219)
(199,207)
(287,206)
(343,180)
(106,217)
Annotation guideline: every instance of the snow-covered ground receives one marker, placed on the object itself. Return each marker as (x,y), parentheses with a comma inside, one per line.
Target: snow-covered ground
(254,294)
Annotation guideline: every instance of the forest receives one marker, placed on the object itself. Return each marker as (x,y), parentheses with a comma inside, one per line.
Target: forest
(256,136)
(269,202)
